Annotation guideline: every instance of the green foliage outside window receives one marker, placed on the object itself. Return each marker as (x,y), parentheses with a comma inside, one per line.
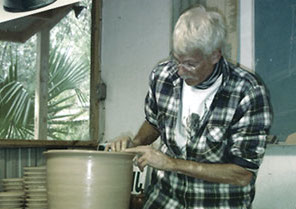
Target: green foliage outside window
(68,86)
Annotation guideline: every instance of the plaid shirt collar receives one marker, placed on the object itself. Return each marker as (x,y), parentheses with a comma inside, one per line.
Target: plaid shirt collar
(176,80)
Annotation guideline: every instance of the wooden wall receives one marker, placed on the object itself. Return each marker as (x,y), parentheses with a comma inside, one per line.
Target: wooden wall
(17,154)
(12,161)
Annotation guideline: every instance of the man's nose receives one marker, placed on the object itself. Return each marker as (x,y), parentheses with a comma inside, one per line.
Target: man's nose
(181,70)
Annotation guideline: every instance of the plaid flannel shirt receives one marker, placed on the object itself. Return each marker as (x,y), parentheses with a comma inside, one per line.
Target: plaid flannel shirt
(234,130)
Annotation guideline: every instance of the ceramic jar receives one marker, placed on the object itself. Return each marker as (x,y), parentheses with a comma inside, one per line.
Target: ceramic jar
(80,179)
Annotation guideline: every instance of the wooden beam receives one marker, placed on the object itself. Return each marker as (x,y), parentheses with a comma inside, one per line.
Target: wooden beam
(35,27)
(10,36)
(95,75)
(16,143)
(41,92)
(47,15)
(37,23)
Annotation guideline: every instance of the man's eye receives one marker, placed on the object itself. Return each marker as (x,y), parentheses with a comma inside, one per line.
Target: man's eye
(190,64)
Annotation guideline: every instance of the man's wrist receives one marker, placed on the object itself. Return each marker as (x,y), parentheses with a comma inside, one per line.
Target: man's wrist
(171,164)
(134,142)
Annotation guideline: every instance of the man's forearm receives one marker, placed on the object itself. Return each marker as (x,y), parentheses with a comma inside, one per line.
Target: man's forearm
(146,135)
(219,173)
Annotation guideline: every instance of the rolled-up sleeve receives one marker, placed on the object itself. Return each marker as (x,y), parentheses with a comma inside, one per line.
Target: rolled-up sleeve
(150,101)
(248,135)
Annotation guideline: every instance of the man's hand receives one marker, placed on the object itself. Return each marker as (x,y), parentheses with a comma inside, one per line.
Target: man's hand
(120,144)
(147,134)
(152,157)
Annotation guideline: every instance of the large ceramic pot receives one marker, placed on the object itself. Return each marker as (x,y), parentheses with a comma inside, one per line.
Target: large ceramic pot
(80,179)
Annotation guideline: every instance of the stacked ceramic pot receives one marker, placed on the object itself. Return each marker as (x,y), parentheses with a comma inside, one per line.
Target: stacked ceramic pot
(13,195)
(13,184)
(11,200)
(35,187)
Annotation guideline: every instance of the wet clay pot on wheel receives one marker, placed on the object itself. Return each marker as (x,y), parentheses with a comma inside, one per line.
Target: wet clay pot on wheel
(80,179)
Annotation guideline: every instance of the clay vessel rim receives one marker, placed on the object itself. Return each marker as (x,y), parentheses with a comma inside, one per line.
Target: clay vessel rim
(88,152)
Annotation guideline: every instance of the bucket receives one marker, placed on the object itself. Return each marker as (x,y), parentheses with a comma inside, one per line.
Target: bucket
(80,179)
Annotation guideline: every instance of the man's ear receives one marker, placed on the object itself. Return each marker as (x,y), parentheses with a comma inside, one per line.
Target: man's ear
(215,56)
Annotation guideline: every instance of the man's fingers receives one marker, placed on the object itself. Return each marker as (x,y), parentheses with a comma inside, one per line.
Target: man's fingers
(124,144)
(117,146)
(141,164)
(141,159)
(113,147)
(107,147)
(139,149)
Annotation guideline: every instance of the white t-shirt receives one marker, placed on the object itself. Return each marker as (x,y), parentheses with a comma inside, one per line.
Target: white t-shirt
(196,101)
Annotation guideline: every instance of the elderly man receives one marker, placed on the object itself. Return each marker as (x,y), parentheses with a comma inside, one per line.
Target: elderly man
(212,117)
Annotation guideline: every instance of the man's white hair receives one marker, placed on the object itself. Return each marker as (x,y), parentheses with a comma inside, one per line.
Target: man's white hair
(198,29)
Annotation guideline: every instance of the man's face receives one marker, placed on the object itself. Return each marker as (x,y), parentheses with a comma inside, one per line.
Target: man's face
(194,68)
